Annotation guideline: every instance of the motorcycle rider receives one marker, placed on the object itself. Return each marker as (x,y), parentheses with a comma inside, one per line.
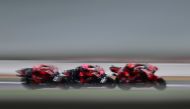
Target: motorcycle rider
(84,74)
(91,72)
(43,72)
(147,70)
(143,71)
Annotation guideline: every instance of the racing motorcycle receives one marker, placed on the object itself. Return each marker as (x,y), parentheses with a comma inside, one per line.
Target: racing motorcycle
(126,81)
(46,82)
(72,77)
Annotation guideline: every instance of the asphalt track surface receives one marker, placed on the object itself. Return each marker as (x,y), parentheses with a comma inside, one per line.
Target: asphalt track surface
(12,90)
(175,96)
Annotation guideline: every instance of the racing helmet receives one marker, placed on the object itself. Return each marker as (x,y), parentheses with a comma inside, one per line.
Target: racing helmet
(152,68)
(130,65)
(85,66)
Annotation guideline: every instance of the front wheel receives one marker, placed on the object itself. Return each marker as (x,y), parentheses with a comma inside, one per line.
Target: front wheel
(26,80)
(28,83)
(160,84)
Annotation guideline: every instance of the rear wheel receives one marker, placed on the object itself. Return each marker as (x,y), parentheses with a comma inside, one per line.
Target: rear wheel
(124,84)
(64,84)
(110,83)
(160,84)
(28,83)
(76,85)
(26,80)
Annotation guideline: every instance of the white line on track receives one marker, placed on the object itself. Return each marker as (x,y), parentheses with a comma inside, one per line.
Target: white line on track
(6,82)
(168,85)
(178,85)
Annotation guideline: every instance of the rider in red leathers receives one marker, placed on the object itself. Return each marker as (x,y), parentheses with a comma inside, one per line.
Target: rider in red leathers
(148,70)
(89,72)
(43,72)
(134,71)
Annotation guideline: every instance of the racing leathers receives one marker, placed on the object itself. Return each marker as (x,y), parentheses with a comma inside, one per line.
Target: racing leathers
(85,74)
(91,73)
(143,71)
(42,73)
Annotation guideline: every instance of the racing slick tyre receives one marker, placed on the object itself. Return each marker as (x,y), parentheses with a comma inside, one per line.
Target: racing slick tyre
(27,83)
(76,84)
(110,83)
(64,84)
(160,84)
(124,84)
(26,80)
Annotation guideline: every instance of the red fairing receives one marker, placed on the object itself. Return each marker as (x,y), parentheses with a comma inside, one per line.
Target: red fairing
(66,74)
(43,72)
(45,69)
(150,75)
(86,74)
(129,71)
(123,74)
(115,69)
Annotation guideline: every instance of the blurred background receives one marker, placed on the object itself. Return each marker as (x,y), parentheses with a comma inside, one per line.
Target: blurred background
(67,33)
(153,30)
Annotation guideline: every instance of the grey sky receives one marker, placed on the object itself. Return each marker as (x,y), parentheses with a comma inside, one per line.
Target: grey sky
(155,28)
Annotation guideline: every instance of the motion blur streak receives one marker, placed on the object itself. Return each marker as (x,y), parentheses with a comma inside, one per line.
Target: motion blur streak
(165,69)
(65,29)
(174,97)
(98,31)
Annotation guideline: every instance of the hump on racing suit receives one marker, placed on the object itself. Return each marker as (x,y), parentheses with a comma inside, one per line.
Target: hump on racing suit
(44,68)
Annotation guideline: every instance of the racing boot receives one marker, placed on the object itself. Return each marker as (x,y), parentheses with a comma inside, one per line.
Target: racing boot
(58,77)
